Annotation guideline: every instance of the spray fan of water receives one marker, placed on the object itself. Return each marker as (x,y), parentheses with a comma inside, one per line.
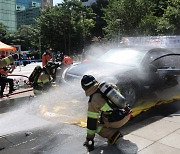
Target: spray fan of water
(61,104)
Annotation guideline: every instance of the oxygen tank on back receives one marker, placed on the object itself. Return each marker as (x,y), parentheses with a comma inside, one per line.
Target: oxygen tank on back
(35,75)
(113,95)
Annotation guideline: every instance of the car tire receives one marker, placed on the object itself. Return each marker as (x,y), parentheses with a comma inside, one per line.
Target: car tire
(129,91)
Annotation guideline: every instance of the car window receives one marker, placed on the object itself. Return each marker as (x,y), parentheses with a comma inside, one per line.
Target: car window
(123,56)
(153,54)
(168,61)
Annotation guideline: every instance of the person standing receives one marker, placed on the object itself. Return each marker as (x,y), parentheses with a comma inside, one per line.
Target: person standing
(4,71)
(104,117)
(46,57)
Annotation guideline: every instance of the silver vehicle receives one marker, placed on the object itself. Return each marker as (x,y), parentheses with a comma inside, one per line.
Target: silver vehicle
(134,70)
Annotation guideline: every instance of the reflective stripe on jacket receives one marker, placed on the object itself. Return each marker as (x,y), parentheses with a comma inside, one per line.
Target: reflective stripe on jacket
(96,106)
(43,78)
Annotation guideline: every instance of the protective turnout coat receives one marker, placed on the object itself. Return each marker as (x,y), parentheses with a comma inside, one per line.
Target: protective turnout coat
(101,118)
(6,61)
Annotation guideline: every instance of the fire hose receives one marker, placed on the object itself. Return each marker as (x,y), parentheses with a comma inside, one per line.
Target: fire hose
(23,91)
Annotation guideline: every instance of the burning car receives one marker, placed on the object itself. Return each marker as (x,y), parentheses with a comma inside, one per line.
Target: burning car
(134,70)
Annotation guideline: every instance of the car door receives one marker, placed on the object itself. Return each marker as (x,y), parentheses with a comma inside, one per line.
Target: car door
(168,69)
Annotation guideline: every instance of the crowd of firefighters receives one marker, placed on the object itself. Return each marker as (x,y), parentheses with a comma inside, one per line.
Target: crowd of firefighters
(107,108)
(42,76)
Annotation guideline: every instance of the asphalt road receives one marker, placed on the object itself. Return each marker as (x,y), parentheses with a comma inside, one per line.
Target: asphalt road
(24,131)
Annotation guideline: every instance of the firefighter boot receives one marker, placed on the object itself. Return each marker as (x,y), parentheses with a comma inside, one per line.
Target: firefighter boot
(114,138)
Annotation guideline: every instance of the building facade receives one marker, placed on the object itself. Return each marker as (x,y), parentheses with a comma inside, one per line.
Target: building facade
(27,17)
(15,13)
(25,4)
(28,10)
(8,14)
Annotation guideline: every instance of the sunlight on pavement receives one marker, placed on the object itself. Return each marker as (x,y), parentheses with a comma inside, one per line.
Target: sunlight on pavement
(56,112)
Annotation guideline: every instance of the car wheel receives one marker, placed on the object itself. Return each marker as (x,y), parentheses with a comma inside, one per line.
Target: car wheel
(130,93)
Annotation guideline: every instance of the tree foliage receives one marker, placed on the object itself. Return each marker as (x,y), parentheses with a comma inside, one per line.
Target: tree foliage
(66,26)
(99,21)
(70,26)
(26,36)
(3,31)
(142,17)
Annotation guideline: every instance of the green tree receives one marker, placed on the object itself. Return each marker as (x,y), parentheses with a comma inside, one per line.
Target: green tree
(124,16)
(67,26)
(99,21)
(163,19)
(142,17)
(27,36)
(172,16)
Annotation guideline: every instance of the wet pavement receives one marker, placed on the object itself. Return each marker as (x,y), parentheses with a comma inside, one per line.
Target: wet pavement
(154,131)
(25,130)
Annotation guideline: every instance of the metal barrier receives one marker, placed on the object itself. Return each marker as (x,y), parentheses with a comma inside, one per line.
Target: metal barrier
(24,61)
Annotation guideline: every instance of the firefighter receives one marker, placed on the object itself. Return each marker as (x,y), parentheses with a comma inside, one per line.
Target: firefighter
(41,78)
(46,56)
(8,60)
(4,72)
(51,68)
(59,56)
(103,117)
(66,62)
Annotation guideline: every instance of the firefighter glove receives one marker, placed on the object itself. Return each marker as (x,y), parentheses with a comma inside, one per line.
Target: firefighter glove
(89,144)
(127,109)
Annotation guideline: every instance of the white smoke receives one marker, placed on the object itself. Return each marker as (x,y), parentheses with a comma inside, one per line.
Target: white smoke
(92,52)
(61,103)
(65,103)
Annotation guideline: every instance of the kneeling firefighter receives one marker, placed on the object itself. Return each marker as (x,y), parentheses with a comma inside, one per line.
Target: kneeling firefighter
(107,111)
(41,78)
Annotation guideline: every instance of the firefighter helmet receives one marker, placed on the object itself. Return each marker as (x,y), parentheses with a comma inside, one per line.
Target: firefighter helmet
(87,81)
(67,60)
